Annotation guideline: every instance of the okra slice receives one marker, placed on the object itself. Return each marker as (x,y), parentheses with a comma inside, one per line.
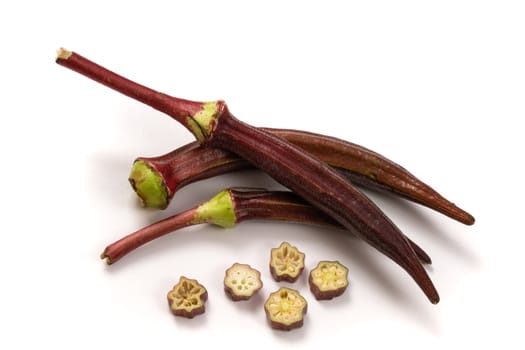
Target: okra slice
(286,263)
(242,281)
(285,309)
(187,298)
(328,280)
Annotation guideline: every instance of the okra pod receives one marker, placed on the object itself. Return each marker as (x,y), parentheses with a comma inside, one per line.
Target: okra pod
(213,125)
(229,208)
(366,168)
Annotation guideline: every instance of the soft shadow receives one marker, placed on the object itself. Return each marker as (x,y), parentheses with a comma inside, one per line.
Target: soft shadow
(296,335)
(108,172)
(252,305)
(189,323)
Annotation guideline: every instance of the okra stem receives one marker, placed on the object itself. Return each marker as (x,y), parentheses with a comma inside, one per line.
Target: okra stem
(125,245)
(177,108)
(228,208)
(214,125)
(362,166)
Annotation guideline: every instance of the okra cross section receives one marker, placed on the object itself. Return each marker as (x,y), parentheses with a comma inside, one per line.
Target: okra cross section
(328,280)
(187,298)
(241,281)
(286,262)
(285,309)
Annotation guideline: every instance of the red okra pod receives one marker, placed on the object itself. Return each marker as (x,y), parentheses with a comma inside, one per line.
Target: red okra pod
(319,184)
(192,162)
(228,208)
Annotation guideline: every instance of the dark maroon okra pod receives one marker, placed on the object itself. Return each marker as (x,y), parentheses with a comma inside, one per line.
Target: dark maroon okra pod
(228,208)
(315,181)
(366,168)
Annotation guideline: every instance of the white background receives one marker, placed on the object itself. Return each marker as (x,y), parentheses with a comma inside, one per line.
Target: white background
(436,86)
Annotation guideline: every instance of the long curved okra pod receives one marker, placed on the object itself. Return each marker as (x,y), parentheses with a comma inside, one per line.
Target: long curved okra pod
(228,208)
(192,162)
(213,125)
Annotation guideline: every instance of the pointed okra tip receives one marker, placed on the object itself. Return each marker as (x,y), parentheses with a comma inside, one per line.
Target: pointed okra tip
(149,186)
(220,210)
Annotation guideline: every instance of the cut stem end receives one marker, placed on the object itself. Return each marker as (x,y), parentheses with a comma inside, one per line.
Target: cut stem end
(149,186)
(106,258)
(63,54)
